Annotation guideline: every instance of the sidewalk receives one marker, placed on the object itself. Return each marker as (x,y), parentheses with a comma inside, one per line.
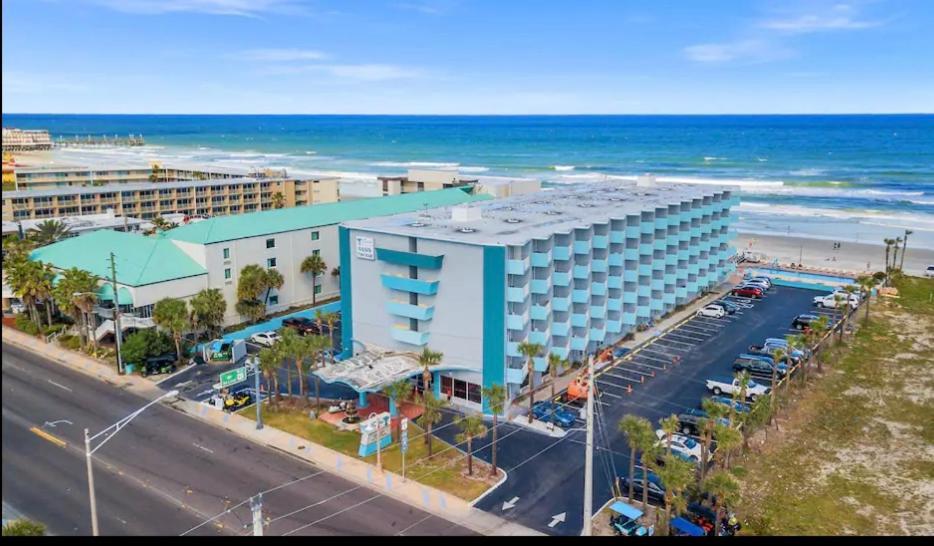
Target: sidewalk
(420,496)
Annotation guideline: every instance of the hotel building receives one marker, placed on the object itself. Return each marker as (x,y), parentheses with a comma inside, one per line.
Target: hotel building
(418,180)
(572,269)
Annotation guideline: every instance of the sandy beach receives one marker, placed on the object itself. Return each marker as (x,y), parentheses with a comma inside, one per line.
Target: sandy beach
(819,253)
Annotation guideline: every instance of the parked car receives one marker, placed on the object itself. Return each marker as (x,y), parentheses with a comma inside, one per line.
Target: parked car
(17,307)
(762,278)
(769,350)
(728,308)
(549,412)
(712,311)
(680,442)
(655,487)
(747,292)
(156,365)
(729,385)
(803,352)
(835,300)
(302,325)
(619,352)
(758,284)
(738,406)
(757,366)
(624,520)
(266,339)
(803,321)
(929,272)
(689,422)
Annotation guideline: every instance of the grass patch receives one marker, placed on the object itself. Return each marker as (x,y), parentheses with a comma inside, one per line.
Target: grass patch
(445,470)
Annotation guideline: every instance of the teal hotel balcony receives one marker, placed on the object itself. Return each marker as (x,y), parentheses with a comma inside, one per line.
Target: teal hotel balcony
(616,259)
(398,257)
(656,305)
(517,294)
(515,376)
(405,284)
(600,241)
(561,329)
(660,244)
(598,334)
(411,337)
(617,236)
(512,348)
(538,337)
(540,364)
(515,322)
(599,266)
(540,312)
(629,319)
(560,351)
(579,343)
(598,289)
(647,227)
(561,253)
(540,286)
(645,270)
(645,249)
(631,275)
(632,232)
(581,272)
(598,312)
(581,247)
(657,284)
(579,321)
(559,278)
(614,282)
(614,304)
(630,297)
(418,312)
(631,253)
(668,298)
(561,303)
(643,311)
(661,223)
(517,267)
(644,291)
(580,296)
(541,259)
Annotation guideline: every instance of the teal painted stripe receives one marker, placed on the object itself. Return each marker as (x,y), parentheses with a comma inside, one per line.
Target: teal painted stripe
(494,318)
(399,257)
(799,284)
(346,293)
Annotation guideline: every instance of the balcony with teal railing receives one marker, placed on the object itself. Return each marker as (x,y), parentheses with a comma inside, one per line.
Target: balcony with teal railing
(517,267)
(599,266)
(684,253)
(418,312)
(684,236)
(405,284)
(657,284)
(660,244)
(517,295)
(515,322)
(541,259)
(616,259)
(614,282)
(668,298)
(658,264)
(412,259)
(582,247)
(730,235)
(674,220)
(617,236)
(631,253)
(647,227)
(601,241)
(671,258)
(540,363)
(644,290)
(579,343)
(540,312)
(411,337)
(670,278)
(561,303)
(579,320)
(614,304)
(561,279)
(614,326)
(581,272)
(643,311)
(512,349)
(630,297)
(632,232)
(560,351)
(598,312)
(656,305)
(580,296)
(693,268)
(645,270)
(631,275)
(598,334)
(661,223)
(695,231)
(598,289)
(629,319)
(540,286)
(681,291)
(538,337)
(561,328)
(515,376)
(645,249)
(561,252)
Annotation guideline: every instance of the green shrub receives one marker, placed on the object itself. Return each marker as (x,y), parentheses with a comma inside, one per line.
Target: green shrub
(23,324)
(23,528)
(70,342)
(54,329)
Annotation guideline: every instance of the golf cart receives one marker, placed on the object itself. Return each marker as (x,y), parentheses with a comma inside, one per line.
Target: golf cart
(625,520)
(681,527)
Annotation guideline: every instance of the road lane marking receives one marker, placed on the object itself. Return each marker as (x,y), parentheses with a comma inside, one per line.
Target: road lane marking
(46,436)
(201,447)
(59,385)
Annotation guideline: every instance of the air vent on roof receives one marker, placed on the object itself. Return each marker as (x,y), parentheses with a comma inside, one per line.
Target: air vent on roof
(586,205)
(418,224)
(617,198)
(466,230)
(552,212)
(512,220)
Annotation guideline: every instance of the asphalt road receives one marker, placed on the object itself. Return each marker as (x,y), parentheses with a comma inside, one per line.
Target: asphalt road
(166,473)
(546,475)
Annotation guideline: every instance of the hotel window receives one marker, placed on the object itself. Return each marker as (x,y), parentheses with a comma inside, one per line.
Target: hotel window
(226,253)
(317,289)
(227,274)
(270,243)
(473,393)
(274,300)
(270,262)
(315,235)
(316,252)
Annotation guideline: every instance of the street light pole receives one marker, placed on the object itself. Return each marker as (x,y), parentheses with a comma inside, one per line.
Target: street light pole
(110,431)
(117,332)
(588,460)
(259,400)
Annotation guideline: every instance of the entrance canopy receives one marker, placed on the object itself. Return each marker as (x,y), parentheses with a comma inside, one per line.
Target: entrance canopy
(371,370)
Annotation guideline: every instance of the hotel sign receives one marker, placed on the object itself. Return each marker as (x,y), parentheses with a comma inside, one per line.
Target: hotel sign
(365,248)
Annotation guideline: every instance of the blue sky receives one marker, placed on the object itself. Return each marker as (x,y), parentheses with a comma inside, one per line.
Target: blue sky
(468,56)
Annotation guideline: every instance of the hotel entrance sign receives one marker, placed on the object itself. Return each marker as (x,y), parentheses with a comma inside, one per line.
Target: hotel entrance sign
(365,248)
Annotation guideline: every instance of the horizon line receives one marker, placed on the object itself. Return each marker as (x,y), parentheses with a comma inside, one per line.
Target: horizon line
(471,115)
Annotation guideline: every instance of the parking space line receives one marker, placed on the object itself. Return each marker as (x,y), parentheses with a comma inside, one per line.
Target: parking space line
(707,329)
(662,344)
(607,377)
(662,354)
(695,340)
(666,339)
(656,359)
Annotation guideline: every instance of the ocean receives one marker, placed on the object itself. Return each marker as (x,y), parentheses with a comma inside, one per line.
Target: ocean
(849,178)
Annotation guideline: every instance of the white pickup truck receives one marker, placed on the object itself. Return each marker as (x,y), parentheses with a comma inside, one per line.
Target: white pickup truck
(830,301)
(729,385)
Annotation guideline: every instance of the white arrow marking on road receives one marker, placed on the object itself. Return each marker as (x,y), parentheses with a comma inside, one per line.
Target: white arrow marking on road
(557,519)
(59,385)
(202,393)
(53,423)
(510,504)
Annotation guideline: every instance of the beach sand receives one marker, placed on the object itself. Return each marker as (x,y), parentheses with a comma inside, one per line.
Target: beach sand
(819,253)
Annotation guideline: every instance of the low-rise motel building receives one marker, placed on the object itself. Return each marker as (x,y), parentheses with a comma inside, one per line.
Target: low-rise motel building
(417,180)
(182,261)
(190,197)
(573,269)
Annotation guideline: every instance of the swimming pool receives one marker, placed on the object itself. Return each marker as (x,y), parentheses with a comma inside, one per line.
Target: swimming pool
(802,275)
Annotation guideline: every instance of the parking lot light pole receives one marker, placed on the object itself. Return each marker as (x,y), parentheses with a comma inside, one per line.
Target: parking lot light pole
(109,432)
(259,399)
(588,458)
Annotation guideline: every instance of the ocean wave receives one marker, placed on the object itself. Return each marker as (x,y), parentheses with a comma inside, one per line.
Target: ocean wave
(901,220)
(808,172)
(710,158)
(563,168)
(416,164)
(474,169)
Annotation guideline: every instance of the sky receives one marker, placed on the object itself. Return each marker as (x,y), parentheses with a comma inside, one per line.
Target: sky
(468,56)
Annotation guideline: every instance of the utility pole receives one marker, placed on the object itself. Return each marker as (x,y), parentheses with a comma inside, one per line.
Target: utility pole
(379,430)
(93,497)
(118,334)
(256,505)
(259,400)
(588,458)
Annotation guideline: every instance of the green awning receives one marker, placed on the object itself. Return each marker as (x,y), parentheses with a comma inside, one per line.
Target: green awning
(124,297)
(105,292)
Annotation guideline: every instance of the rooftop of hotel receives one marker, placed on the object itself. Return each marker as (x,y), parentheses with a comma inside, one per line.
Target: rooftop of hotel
(516,220)
(142,186)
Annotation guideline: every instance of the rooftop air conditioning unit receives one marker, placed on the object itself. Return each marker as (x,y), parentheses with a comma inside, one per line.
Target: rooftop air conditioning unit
(466,214)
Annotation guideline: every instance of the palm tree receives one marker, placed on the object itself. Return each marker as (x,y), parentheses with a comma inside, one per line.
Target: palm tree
(207,310)
(778,354)
(278,200)
(44,292)
(472,428)
(888,249)
(495,396)
(426,359)
(273,279)
(727,438)
(317,345)
(739,395)
(714,413)
(431,415)
(269,366)
(251,284)
(161,224)
(397,392)
(724,489)
(866,284)
(291,348)
(75,294)
(797,343)
(28,279)
(172,314)
(315,265)
(530,350)
(49,231)
(675,475)
(901,265)
(669,427)
(898,241)
(818,329)
(636,429)
(647,458)
(849,290)
(556,365)
(330,319)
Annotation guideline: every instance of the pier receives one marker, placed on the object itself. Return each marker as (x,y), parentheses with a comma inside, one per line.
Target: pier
(130,140)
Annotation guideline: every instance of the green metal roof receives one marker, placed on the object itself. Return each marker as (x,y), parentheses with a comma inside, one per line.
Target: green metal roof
(268,222)
(140,260)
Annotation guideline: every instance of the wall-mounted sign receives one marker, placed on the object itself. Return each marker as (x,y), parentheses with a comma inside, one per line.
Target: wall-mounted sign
(365,248)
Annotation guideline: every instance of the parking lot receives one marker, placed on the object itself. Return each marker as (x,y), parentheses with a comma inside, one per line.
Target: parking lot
(546,474)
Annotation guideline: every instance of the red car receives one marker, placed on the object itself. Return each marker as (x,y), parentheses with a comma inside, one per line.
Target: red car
(747,292)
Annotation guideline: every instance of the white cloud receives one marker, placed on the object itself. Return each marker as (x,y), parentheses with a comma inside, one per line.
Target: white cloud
(243,8)
(428,7)
(839,17)
(371,72)
(282,55)
(741,50)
